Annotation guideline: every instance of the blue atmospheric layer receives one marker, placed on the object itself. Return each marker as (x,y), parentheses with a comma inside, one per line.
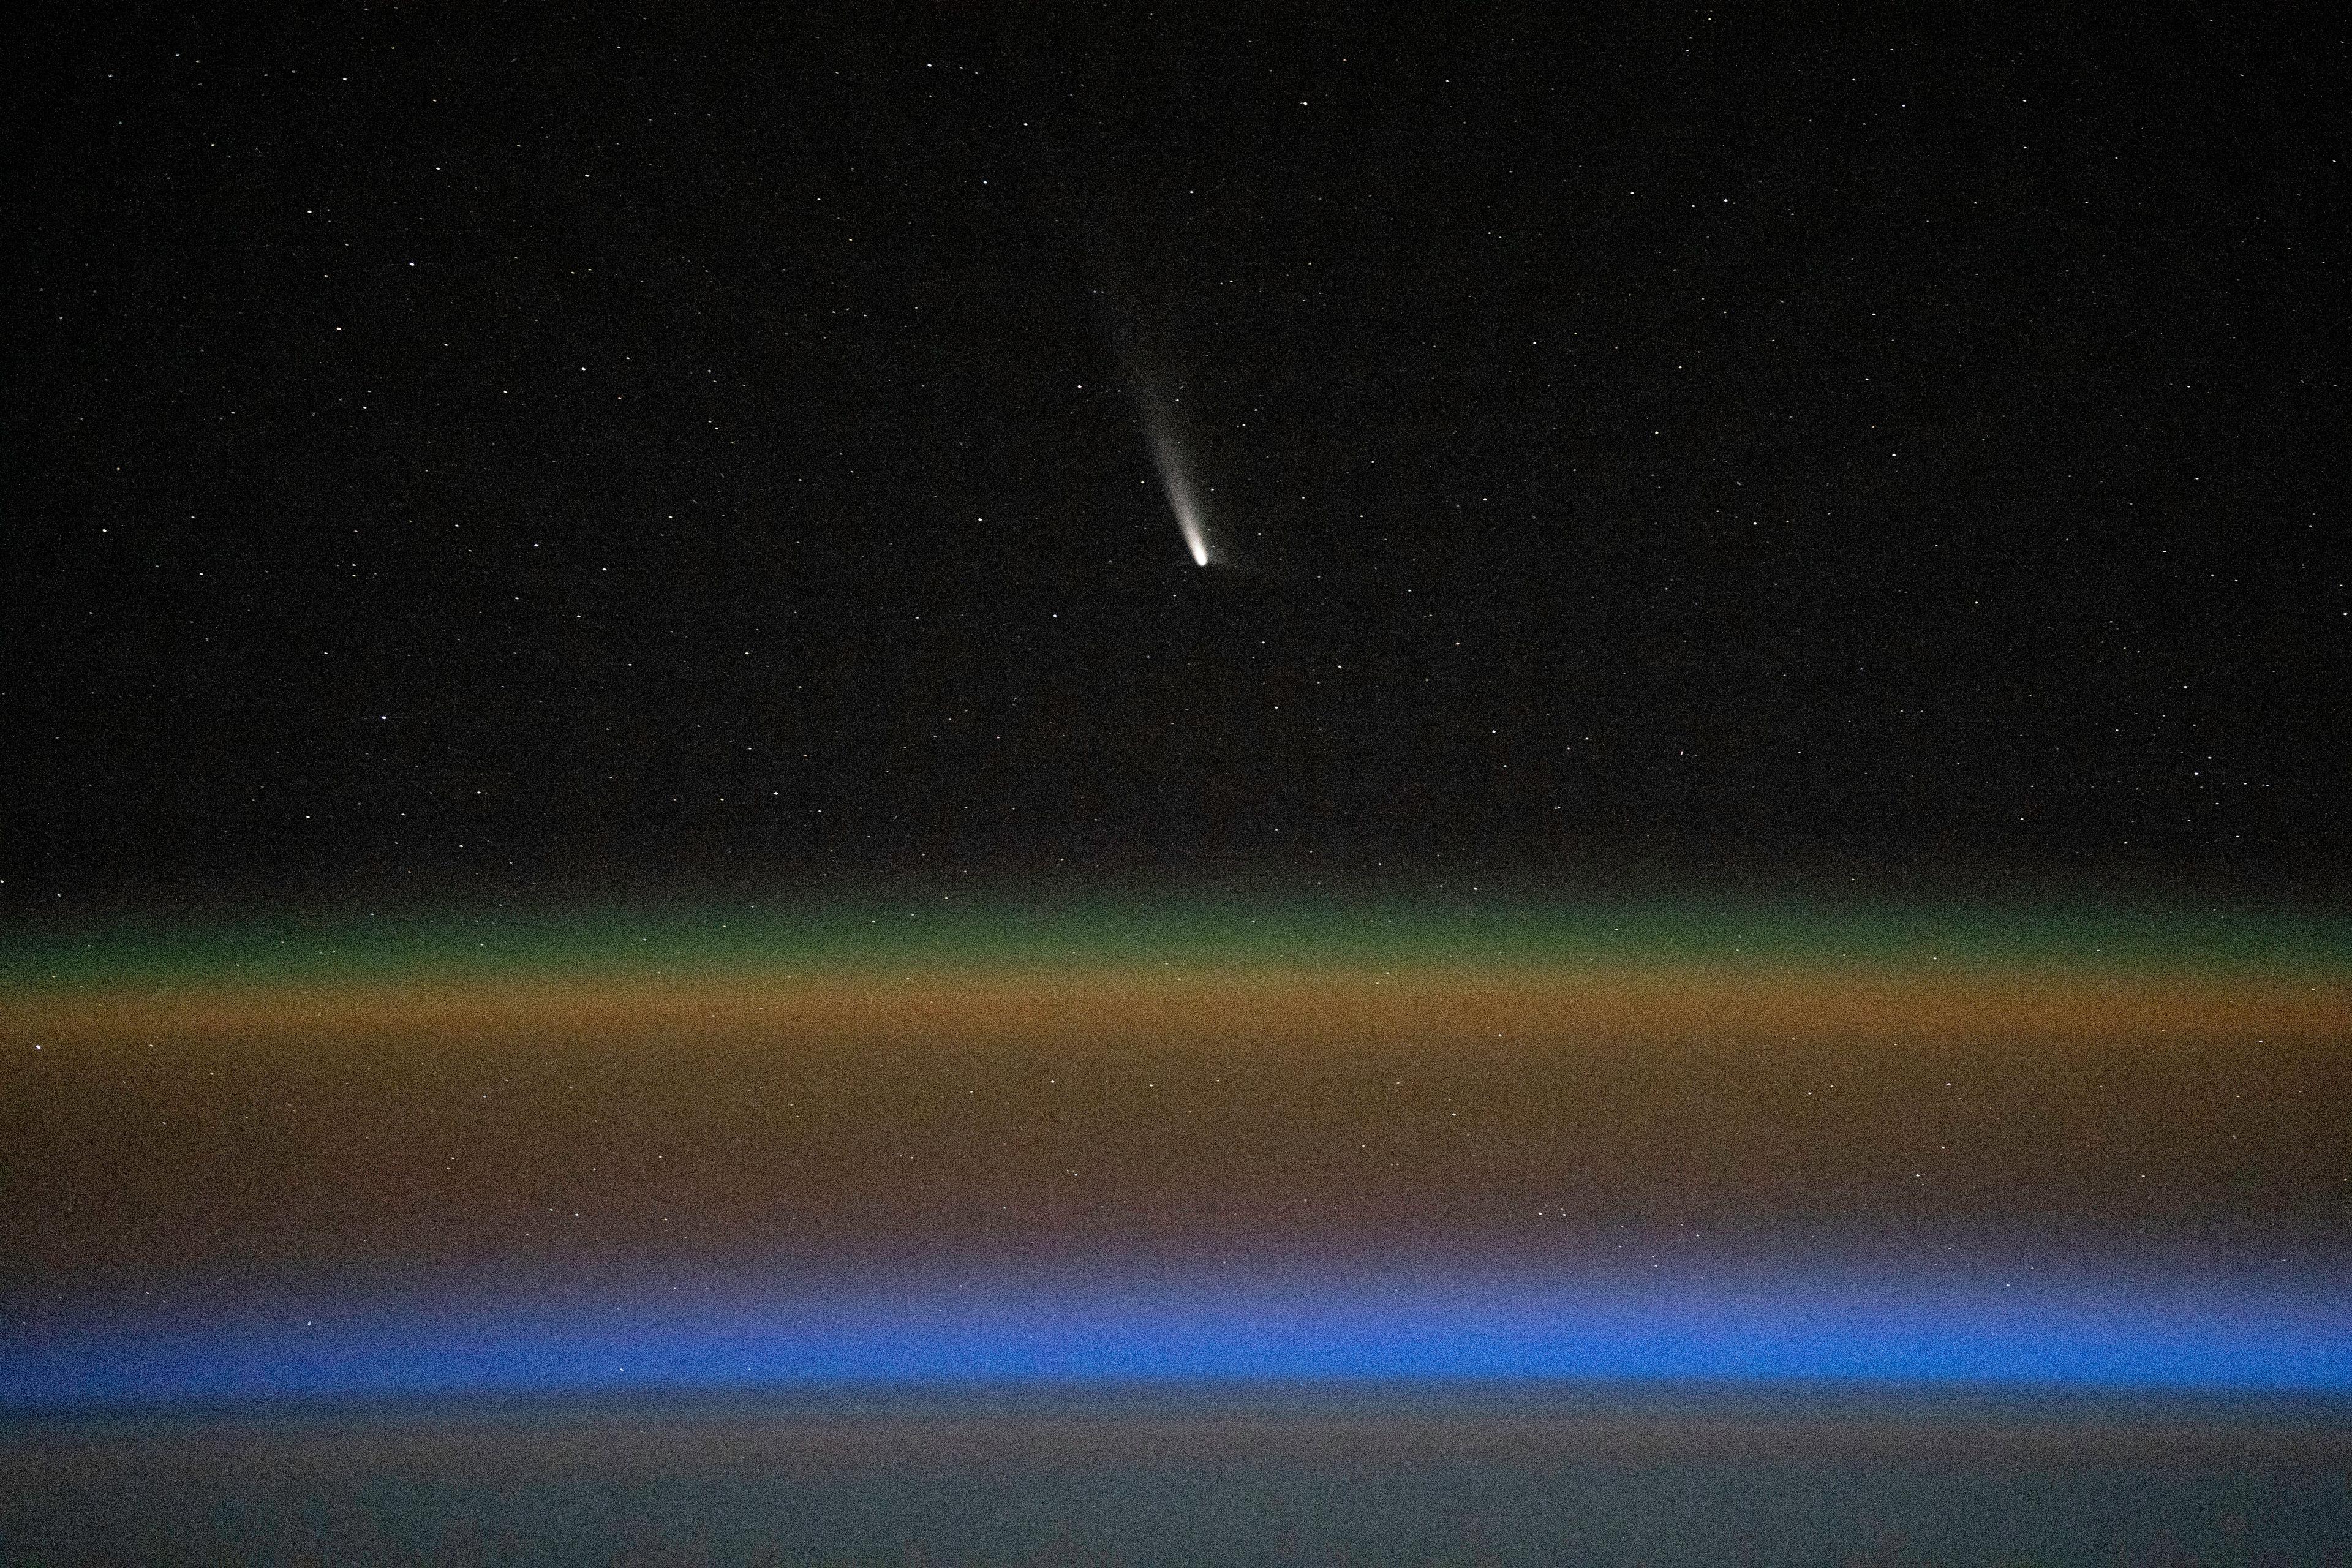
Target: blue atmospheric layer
(956,1336)
(950,1334)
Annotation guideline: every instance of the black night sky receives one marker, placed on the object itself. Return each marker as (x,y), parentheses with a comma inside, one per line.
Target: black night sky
(466,450)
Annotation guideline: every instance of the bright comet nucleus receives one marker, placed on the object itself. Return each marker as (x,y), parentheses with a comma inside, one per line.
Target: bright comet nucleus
(1193,540)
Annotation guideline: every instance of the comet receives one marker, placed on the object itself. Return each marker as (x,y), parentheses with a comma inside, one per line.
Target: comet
(1176,480)
(1163,430)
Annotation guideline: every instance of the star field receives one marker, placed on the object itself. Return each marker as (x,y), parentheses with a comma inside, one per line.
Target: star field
(694,452)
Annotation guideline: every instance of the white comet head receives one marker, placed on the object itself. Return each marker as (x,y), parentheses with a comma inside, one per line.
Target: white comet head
(1194,540)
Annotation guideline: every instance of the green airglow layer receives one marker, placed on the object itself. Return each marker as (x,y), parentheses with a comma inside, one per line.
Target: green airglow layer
(1011,936)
